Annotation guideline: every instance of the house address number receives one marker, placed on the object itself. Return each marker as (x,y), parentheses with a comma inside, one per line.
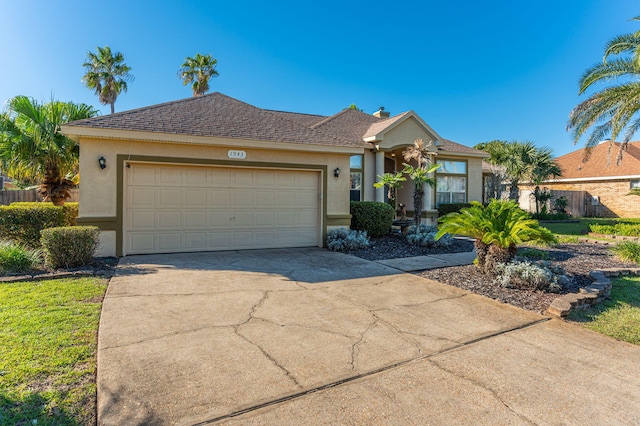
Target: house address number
(236,154)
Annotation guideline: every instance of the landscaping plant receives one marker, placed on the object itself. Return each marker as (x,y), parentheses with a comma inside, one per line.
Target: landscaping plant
(346,240)
(628,250)
(23,222)
(393,182)
(528,275)
(497,229)
(420,174)
(374,217)
(70,246)
(425,236)
(17,258)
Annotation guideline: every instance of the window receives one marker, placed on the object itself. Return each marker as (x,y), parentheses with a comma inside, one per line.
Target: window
(355,164)
(451,182)
(635,184)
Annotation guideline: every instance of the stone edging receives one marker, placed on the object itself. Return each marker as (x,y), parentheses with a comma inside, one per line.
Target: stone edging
(591,295)
(58,274)
(615,237)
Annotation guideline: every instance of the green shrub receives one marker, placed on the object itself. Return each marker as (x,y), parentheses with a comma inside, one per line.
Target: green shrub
(374,217)
(22,222)
(70,246)
(619,228)
(451,208)
(15,258)
(346,240)
(533,253)
(627,250)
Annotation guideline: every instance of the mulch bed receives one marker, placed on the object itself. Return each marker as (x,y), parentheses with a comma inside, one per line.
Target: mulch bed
(576,259)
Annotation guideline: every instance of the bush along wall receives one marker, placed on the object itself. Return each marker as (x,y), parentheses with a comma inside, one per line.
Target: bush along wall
(444,209)
(371,216)
(23,222)
(69,246)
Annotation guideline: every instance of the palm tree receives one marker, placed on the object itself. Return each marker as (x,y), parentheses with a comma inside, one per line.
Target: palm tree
(198,70)
(542,167)
(496,150)
(612,111)
(107,75)
(32,147)
(420,174)
(393,182)
(497,229)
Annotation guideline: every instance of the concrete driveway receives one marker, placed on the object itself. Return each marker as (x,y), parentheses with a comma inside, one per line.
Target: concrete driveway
(308,336)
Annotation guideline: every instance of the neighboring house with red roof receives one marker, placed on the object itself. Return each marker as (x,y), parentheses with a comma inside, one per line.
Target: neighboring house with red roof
(605,185)
(214,173)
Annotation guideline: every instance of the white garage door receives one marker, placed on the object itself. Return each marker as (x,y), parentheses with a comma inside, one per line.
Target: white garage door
(190,208)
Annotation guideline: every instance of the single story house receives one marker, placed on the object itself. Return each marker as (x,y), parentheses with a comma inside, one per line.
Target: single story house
(214,173)
(602,185)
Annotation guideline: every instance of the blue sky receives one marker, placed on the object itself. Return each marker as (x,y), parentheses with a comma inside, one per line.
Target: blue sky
(475,71)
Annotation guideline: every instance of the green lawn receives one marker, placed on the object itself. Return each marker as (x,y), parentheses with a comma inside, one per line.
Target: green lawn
(618,317)
(576,229)
(48,345)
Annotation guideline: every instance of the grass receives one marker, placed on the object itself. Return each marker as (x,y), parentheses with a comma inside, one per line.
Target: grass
(47,351)
(628,251)
(618,317)
(580,228)
(18,258)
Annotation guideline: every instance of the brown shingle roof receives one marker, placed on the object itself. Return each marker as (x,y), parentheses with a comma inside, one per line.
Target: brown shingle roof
(600,164)
(451,146)
(216,115)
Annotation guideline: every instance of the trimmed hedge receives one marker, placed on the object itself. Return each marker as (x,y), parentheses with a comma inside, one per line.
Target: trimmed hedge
(22,222)
(373,217)
(69,246)
(444,209)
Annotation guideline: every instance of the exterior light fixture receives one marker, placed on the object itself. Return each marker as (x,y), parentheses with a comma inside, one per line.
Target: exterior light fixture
(102,162)
(336,172)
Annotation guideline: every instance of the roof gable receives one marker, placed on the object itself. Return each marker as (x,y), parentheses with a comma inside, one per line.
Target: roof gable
(600,164)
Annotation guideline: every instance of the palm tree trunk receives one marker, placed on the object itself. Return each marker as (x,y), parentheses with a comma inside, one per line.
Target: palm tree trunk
(497,254)
(481,253)
(514,191)
(417,206)
(113,108)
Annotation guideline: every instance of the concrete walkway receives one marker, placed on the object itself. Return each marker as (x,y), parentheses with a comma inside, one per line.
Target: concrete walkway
(308,336)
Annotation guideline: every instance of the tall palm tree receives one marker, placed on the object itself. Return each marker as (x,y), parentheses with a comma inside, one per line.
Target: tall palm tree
(420,174)
(197,71)
(542,167)
(107,75)
(517,158)
(612,111)
(32,147)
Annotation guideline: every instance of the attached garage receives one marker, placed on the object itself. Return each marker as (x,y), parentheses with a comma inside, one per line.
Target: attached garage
(178,208)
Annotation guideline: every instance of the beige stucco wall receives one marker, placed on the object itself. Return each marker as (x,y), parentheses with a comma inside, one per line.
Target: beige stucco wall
(405,134)
(474,181)
(99,190)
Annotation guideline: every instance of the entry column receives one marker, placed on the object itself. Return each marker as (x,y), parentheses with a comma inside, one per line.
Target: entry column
(379,172)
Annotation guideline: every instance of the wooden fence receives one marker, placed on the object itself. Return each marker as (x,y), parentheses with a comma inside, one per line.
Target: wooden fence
(577,202)
(8,196)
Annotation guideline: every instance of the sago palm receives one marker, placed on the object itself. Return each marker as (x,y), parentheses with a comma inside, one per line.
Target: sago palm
(197,71)
(612,111)
(497,229)
(107,75)
(32,147)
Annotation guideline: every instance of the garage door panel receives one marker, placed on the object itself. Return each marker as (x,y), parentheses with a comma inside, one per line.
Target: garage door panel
(142,219)
(141,243)
(195,219)
(219,198)
(142,197)
(190,208)
(242,219)
(170,219)
(195,177)
(195,198)
(242,198)
(169,198)
(220,219)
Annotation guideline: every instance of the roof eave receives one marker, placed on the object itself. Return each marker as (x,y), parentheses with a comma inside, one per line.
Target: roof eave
(78,132)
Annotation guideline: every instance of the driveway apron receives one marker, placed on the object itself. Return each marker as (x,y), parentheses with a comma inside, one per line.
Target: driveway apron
(307,336)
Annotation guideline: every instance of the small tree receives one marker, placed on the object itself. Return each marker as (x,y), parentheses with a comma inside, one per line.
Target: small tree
(420,174)
(197,71)
(393,182)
